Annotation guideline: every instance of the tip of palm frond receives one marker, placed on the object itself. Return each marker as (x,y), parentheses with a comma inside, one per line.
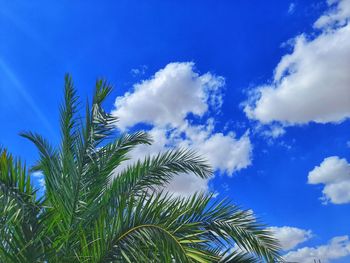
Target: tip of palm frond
(102,90)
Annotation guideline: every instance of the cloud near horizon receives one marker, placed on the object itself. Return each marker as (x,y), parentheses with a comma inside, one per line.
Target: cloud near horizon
(164,102)
(290,237)
(337,247)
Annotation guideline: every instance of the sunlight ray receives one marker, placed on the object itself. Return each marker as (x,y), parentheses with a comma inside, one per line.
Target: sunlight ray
(27,98)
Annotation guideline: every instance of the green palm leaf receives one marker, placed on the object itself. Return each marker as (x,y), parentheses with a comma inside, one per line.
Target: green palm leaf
(93,210)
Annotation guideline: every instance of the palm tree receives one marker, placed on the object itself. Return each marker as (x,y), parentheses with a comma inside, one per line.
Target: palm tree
(88,213)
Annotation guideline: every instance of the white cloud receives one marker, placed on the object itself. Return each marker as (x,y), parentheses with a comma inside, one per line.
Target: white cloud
(337,248)
(335,16)
(187,184)
(290,237)
(270,132)
(164,102)
(39,178)
(182,184)
(275,131)
(291,8)
(169,96)
(334,173)
(312,84)
(139,71)
(225,153)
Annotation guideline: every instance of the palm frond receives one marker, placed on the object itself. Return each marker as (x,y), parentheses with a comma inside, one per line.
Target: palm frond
(99,124)
(14,180)
(91,213)
(19,210)
(179,225)
(157,171)
(68,119)
(237,256)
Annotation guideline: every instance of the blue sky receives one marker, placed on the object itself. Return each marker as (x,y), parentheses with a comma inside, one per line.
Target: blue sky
(259,87)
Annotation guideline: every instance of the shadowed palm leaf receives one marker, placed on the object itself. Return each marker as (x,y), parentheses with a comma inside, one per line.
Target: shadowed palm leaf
(91,213)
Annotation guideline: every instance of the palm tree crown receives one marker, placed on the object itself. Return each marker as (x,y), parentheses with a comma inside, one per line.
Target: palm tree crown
(91,213)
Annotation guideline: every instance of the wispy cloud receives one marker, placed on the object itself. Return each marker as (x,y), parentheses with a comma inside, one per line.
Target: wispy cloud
(291,8)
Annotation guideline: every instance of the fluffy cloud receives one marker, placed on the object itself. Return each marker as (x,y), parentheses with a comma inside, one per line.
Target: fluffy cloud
(334,173)
(169,96)
(182,184)
(290,237)
(312,84)
(337,248)
(165,101)
(187,184)
(225,153)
